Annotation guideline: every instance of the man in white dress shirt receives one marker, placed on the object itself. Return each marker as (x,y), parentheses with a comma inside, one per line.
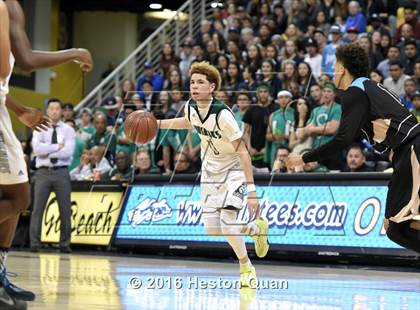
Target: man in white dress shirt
(54,152)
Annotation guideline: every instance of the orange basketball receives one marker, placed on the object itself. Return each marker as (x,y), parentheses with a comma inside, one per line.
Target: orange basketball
(140,127)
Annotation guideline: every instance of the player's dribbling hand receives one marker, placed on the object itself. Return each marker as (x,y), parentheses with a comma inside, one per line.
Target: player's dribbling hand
(84,59)
(34,119)
(294,161)
(253,205)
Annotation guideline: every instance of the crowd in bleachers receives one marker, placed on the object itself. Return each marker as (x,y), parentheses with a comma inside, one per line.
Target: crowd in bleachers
(276,59)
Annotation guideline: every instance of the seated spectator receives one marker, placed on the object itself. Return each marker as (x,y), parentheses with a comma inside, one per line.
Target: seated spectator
(152,77)
(138,102)
(123,143)
(356,18)
(100,165)
(149,96)
(323,124)
(243,101)
(122,171)
(103,138)
(127,89)
(110,104)
(280,123)
(288,74)
(143,164)
(168,58)
(395,82)
(174,81)
(328,53)
(68,112)
(299,142)
(409,92)
(305,78)
(410,56)
(269,76)
(177,102)
(80,145)
(279,165)
(222,96)
(416,106)
(313,57)
(376,76)
(393,55)
(86,129)
(356,160)
(352,34)
(187,57)
(182,164)
(315,93)
(83,171)
(233,78)
(416,75)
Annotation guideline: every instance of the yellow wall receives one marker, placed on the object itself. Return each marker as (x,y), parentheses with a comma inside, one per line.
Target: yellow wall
(67,84)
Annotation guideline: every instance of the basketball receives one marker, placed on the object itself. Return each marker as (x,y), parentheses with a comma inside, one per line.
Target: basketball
(140,127)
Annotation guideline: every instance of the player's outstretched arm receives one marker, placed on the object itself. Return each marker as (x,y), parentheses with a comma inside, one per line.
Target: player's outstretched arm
(29,60)
(174,123)
(4,43)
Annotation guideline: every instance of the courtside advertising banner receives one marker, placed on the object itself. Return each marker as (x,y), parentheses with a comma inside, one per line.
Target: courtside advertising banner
(336,216)
(94,216)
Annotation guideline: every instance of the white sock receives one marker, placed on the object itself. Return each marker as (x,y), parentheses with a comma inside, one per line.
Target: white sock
(3,258)
(252,229)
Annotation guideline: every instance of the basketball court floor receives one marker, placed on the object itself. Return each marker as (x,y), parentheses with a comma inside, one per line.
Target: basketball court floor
(74,281)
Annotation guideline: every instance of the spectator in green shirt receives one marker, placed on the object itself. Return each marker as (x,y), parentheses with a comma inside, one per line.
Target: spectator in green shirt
(103,138)
(86,129)
(323,125)
(123,143)
(280,123)
(80,145)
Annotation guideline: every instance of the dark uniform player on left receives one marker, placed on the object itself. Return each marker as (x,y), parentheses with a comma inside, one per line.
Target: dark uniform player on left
(13,178)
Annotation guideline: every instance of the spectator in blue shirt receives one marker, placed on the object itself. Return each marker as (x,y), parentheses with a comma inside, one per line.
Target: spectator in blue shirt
(356,17)
(328,53)
(149,75)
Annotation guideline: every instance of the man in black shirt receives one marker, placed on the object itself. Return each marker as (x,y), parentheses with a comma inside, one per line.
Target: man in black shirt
(255,125)
(386,124)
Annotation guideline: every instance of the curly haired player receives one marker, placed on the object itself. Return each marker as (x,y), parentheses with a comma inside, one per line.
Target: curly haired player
(379,114)
(226,173)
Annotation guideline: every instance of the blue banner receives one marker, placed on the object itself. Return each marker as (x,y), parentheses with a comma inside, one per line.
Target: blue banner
(339,216)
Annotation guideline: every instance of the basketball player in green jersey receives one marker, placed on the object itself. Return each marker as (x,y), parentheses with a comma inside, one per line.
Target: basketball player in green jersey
(226,172)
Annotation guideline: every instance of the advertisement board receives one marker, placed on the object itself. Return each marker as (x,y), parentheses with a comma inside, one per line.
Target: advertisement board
(94,216)
(336,216)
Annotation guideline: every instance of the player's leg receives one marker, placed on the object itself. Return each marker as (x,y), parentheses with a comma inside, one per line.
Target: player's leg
(403,200)
(15,199)
(257,229)
(62,189)
(17,195)
(42,188)
(404,235)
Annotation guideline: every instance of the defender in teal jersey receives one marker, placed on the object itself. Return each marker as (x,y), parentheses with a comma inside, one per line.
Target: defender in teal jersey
(226,172)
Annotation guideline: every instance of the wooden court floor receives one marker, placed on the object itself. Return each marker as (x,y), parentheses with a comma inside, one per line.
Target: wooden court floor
(63,281)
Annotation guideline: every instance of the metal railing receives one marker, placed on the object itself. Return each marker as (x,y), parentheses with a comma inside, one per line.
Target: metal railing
(174,30)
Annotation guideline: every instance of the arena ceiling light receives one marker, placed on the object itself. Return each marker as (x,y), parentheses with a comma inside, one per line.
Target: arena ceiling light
(216,4)
(155,6)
